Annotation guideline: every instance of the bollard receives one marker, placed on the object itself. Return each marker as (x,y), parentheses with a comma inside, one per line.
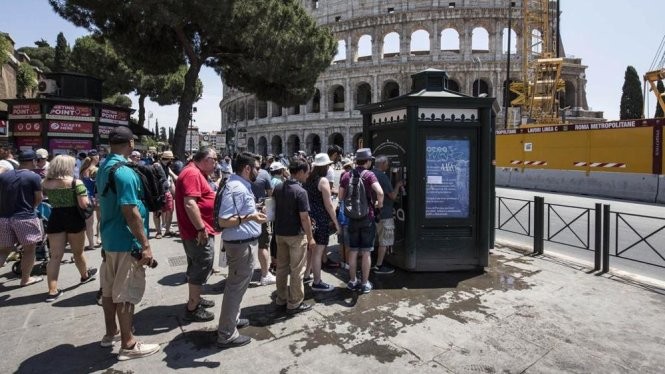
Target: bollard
(538,225)
(598,244)
(606,238)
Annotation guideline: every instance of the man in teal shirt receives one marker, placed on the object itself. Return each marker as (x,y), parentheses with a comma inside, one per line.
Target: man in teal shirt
(124,229)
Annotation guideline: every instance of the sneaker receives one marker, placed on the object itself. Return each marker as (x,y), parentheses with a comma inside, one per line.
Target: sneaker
(206,303)
(237,342)
(51,298)
(299,309)
(383,269)
(344,266)
(352,285)
(366,288)
(322,287)
(242,322)
(268,279)
(198,315)
(307,279)
(108,341)
(139,350)
(91,275)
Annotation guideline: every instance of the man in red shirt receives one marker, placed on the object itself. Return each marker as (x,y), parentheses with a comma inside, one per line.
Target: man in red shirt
(194,200)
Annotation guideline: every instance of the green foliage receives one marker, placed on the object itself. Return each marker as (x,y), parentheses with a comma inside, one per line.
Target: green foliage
(167,89)
(26,79)
(170,138)
(41,56)
(632,100)
(119,100)
(162,134)
(659,110)
(99,59)
(5,50)
(62,53)
(272,48)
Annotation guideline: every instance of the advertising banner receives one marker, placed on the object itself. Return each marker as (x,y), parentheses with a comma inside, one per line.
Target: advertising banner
(104,131)
(118,117)
(68,127)
(27,129)
(70,112)
(63,146)
(28,142)
(447,171)
(25,111)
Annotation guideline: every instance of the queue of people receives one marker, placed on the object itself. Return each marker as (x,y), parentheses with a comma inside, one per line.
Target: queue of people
(281,211)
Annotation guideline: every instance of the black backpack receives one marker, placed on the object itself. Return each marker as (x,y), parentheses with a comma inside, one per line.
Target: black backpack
(356,205)
(218,205)
(152,179)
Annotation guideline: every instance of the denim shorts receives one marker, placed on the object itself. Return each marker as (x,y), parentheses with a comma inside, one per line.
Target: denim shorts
(361,235)
(199,260)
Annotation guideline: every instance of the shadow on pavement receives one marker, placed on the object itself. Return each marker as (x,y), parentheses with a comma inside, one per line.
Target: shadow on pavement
(82,299)
(176,279)
(185,349)
(67,358)
(158,319)
(25,300)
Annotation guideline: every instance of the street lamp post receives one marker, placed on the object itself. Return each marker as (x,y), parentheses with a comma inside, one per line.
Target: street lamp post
(506,97)
(191,127)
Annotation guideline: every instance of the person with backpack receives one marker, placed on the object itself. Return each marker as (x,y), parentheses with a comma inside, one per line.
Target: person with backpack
(194,203)
(166,212)
(124,231)
(363,198)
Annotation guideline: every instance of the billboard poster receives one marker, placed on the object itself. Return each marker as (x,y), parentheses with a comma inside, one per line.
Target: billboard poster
(63,146)
(27,128)
(447,172)
(25,111)
(104,131)
(118,117)
(69,127)
(25,143)
(70,112)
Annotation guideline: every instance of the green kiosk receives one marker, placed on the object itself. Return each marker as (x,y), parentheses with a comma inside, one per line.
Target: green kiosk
(441,144)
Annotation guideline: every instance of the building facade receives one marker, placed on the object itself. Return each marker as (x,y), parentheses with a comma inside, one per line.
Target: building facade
(380,45)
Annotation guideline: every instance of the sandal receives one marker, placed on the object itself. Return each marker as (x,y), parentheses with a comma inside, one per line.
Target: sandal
(32,281)
(158,236)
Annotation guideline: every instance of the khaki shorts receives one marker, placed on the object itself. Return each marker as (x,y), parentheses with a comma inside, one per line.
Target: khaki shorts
(385,232)
(122,278)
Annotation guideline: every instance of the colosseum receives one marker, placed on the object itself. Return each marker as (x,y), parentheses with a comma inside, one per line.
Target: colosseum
(381,44)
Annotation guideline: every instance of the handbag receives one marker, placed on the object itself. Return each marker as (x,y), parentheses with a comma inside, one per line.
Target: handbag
(86,212)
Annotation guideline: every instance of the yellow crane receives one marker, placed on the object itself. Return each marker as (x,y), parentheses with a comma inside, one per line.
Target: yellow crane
(537,92)
(656,73)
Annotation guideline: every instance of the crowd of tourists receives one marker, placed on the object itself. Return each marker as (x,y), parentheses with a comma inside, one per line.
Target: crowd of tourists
(281,211)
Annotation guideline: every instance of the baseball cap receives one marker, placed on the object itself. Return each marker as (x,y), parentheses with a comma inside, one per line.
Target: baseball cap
(27,155)
(120,135)
(276,166)
(41,153)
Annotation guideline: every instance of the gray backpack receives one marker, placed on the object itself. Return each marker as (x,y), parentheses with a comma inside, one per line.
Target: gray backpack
(356,205)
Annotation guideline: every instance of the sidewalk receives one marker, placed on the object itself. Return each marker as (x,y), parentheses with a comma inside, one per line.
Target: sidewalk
(524,314)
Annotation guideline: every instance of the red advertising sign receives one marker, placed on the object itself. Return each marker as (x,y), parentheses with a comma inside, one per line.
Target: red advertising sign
(25,109)
(70,127)
(119,117)
(29,142)
(27,128)
(66,110)
(64,145)
(104,131)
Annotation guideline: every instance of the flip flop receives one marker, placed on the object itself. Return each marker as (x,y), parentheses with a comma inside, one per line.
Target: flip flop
(32,281)
(158,236)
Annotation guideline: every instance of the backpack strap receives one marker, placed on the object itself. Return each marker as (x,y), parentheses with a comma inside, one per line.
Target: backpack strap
(110,183)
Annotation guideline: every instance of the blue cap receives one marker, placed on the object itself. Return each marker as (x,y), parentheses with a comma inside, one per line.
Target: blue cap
(28,155)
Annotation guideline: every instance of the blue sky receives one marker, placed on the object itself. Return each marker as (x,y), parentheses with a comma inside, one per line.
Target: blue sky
(608,35)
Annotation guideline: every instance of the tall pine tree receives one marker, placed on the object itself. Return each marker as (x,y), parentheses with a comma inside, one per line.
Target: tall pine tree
(659,110)
(632,100)
(62,52)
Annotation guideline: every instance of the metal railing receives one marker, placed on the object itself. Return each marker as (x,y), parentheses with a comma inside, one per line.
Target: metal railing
(552,222)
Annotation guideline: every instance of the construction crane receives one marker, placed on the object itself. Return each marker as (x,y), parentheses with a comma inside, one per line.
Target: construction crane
(538,91)
(656,73)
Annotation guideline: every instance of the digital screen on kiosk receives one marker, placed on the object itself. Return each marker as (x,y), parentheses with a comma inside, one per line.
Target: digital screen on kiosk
(447,172)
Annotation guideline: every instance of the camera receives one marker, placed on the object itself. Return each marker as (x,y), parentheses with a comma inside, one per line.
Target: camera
(138,256)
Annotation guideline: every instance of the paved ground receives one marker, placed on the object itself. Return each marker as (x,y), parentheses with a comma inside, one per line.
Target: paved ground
(524,314)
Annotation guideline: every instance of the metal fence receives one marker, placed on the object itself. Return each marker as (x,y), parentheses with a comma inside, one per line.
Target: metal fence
(616,234)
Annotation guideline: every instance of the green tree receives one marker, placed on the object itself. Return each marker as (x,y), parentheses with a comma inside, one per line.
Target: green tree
(41,56)
(170,138)
(98,58)
(272,48)
(119,100)
(632,100)
(162,134)
(26,79)
(5,50)
(62,52)
(156,129)
(661,90)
